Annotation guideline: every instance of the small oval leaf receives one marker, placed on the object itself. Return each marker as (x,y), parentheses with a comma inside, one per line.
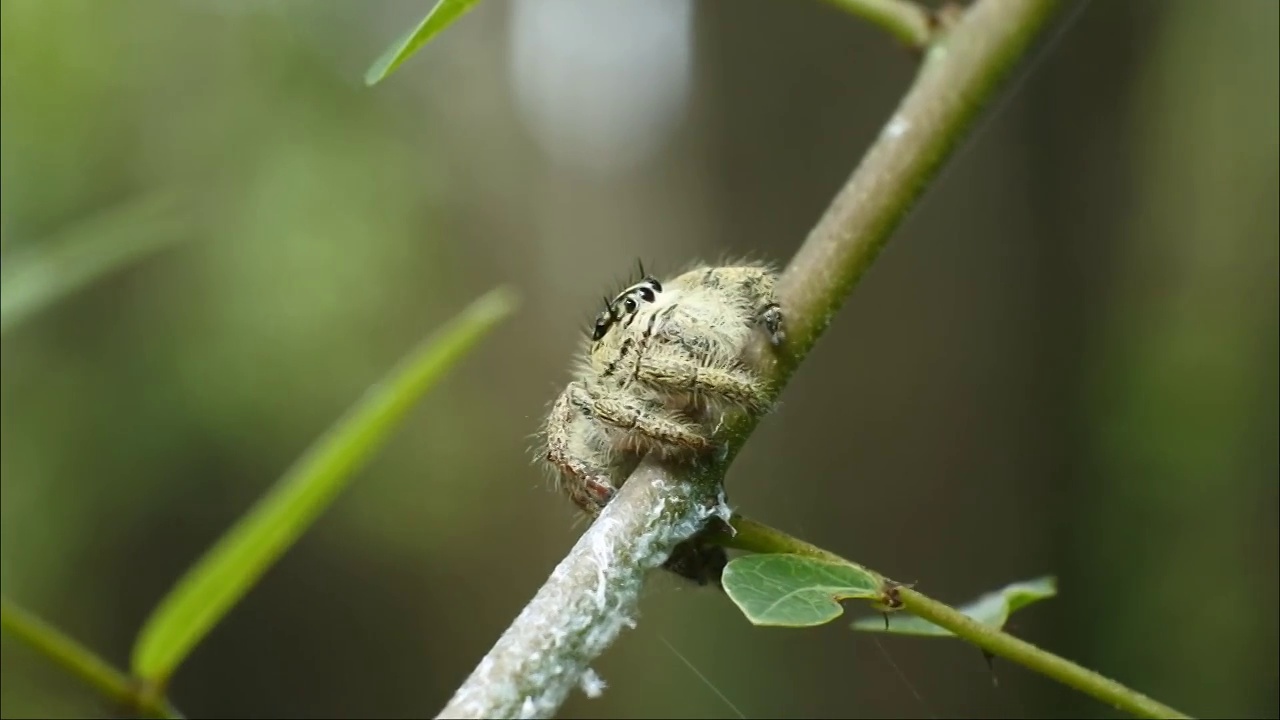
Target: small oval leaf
(785,590)
(440,17)
(231,567)
(993,608)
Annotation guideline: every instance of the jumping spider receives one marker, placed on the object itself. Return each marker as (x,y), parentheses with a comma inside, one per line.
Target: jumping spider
(665,363)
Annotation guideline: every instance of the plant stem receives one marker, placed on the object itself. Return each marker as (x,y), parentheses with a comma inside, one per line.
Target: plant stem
(753,536)
(961,72)
(592,595)
(593,592)
(80,661)
(757,537)
(909,22)
(998,642)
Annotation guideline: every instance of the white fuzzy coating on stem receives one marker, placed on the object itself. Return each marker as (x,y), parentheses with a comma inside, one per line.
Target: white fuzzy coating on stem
(591,596)
(592,684)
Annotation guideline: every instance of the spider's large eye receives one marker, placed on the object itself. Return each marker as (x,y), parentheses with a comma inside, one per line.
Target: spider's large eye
(646,293)
(629,304)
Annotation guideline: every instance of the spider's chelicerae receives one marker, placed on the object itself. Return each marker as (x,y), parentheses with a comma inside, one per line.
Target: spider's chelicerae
(666,361)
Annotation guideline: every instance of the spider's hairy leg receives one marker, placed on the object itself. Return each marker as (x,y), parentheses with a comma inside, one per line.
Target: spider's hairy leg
(679,372)
(752,285)
(771,318)
(627,412)
(758,282)
(586,482)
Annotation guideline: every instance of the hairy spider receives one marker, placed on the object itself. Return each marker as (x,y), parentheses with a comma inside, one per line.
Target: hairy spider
(664,364)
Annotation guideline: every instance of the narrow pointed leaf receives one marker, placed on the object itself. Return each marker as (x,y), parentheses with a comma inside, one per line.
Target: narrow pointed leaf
(40,274)
(441,16)
(993,608)
(793,590)
(233,565)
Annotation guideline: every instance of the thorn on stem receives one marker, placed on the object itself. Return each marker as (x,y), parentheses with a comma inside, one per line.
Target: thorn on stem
(991,667)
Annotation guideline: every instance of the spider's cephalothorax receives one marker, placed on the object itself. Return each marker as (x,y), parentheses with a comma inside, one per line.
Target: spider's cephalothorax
(665,363)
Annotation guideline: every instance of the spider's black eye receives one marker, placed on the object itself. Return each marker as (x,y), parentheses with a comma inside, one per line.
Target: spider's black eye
(629,304)
(646,294)
(657,286)
(603,321)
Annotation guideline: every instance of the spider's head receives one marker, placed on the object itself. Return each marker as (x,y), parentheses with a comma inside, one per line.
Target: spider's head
(623,304)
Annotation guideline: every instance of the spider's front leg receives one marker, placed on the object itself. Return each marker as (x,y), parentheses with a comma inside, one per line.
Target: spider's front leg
(584,476)
(663,431)
(683,373)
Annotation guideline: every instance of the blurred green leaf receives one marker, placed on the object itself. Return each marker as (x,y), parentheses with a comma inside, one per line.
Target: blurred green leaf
(992,609)
(41,273)
(227,571)
(793,590)
(441,16)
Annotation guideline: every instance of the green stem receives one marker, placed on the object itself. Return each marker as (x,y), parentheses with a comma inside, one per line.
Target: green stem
(998,642)
(81,661)
(757,537)
(754,536)
(962,71)
(905,20)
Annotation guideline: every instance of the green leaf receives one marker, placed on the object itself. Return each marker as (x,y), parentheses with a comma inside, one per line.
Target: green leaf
(444,13)
(793,590)
(227,571)
(41,273)
(993,608)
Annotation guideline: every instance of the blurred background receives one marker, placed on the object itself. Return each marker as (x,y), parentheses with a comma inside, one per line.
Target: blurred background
(1065,362)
